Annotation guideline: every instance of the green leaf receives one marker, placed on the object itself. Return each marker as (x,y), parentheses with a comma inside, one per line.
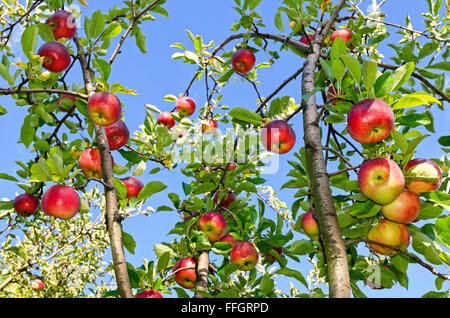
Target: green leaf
(338,69)
(45,32)
(246,115)
(294,274)
(400,140)
(267,284)
(401,76)
(97,23)
(103,67)
(121,188)
(163,261)
(279,20)
(226,76)
(353,66)
(415,99)
(444,141)
(338,49)
(445,66)
(151,188)
(302,247)
(369,73)
(2,111)
(27,131)
(112,30)
(128,242)
(140,39)
(29,40)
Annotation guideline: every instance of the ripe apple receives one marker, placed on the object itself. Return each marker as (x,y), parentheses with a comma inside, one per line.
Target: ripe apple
(134,186)
(243,60)
(165,118)
(213,224)
(66,103)
(228,238)
(404,209)
(424,168)
(271,258)
(277,136)
(26,204)
(381,180)
(390,233)
(56,56)
(186,278)
(91,164)
(370,120)
(61,201)
(185,106)
(37,284)
(245,254)
(62,24)
(149,293)
(209,126)
(117,134)
(231,166)
(193,214)
(304,40)
(344,34)
(104,108)
(225,201)
(310,226)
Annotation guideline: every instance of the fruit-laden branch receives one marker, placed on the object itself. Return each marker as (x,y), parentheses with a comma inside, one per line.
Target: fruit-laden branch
(10,91)
(136,17)
(113,219)
(202,273)
(420,78)
(413,257)
(334,248)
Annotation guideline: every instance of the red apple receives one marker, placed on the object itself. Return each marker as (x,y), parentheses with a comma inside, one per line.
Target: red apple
(277,136)
(225,201)
(62,24)
(271,258)
(91,164)
(243,60)
(56,56)
(149,293)
(186,278)
(26,204)
(370,120)
(117,134)
(193,214)
(344,34)
(66,103)
(134,186)
(213,224)
(231,166)
(404,209)
(245,254)
(209,126)
(37,284)
(423,168)
(185,106)
(228,238)
(310,226)
(390,233)
(165,118)
(304,40)
(104,108)
(61,201)
(381,180)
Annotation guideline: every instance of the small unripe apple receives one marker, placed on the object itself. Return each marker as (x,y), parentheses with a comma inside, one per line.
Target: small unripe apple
(390,233)
(381,180)
(133,185)
(186,278)
(310,226)
(62,24)
(370,120)
(213,225)
(404,209)
(243,60)
(104,108)
(56,56)
(66,103)
(209,126)
(61,201)
(26,204)
(225,201)
(165,119)
(117,134)
(245,254)
(149,293)
(37,284)
(278,136)
(185,106)
(423,168)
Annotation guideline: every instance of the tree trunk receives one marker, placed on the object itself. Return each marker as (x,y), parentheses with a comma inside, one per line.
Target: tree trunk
(333,244)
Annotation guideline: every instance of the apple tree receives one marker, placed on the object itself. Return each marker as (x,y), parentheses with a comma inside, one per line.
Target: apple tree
(365,205)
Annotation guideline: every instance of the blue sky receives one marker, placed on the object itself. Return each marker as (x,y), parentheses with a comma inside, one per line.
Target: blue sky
(156,74)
